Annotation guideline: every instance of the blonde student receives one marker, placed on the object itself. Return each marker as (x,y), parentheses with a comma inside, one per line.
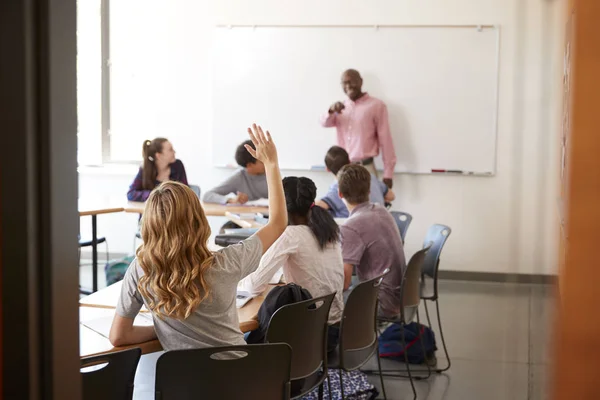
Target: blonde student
(190,290)
(309,252)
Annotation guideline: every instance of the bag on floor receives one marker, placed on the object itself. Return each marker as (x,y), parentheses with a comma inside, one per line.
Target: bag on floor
(356,387)
(115,269)
(390,343)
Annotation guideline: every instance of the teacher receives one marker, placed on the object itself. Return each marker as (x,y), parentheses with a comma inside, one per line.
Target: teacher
(362,127)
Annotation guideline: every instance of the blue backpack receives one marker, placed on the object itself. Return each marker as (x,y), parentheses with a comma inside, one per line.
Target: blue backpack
(390,343)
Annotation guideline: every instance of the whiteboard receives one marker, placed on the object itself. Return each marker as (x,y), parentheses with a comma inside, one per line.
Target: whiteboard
(439,83)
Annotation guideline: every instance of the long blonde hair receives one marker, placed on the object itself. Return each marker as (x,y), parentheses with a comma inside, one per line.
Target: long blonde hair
(174,256)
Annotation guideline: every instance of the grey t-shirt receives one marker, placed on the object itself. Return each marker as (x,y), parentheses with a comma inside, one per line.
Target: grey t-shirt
(371,241)
(215,321)
(255,186)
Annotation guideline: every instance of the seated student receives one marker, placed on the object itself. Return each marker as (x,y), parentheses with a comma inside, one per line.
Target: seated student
(370,239)
(335,159)
(247,184)
(191,291)
(308,251)
(159,165)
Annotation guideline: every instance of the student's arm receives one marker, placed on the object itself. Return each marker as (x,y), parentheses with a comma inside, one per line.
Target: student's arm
(122,330)
(322,204)
(219,194)
(275,258)
(384,137)
(136,191)
(267,153)
(353,249)
(348,269)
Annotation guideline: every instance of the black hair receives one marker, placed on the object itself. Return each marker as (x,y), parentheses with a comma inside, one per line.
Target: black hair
(300,194)
(242,157)
(336,158)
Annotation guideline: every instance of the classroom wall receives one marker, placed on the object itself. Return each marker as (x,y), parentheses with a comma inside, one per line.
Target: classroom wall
(506,223)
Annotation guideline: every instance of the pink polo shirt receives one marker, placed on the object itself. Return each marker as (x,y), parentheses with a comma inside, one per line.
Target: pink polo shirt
(362,128)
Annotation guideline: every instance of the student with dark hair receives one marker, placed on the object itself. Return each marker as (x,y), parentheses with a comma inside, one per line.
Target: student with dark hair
(370,239)
(335,159)
(308,251)
(247,184)
(159,165)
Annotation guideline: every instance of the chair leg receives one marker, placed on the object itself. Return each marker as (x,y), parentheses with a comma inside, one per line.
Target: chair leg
(427,313)
(437,306)
(423,350)
(321,391)
(329,385)
(341,384)
(107,252)
(412,384)
(380,373)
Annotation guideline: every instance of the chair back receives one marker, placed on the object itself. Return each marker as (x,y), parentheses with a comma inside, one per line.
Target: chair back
(411,285)
(113,380)
(403,221)
(358,329)
(257,371)
(196,189)
(303,326)
(436,238)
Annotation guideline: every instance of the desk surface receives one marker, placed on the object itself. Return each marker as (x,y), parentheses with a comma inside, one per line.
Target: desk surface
(210,209)
(95,206)
(97,310)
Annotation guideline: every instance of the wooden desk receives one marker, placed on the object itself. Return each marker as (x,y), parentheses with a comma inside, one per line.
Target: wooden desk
(210,209)
(93,208)
(97,310)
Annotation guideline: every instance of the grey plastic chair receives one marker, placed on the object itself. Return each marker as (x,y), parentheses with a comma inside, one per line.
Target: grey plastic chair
(403,221)
(436,238)
(358,330)
(410,295)
(303,326)
(113,380)
(253,372)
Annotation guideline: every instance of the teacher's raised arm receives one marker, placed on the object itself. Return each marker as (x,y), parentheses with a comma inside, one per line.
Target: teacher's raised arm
(362,126)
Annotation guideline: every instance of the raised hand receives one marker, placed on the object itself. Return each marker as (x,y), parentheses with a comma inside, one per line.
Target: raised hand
(336,107)
(265,149)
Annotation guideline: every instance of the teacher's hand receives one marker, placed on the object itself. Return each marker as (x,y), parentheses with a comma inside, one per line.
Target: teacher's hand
(336,107)
(388,182)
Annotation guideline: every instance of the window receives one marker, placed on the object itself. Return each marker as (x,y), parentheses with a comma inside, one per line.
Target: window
(116,67)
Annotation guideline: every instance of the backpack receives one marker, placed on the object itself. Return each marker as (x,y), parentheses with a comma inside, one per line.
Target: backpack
(356,387)
(278,297)
(390,343)
(115,269)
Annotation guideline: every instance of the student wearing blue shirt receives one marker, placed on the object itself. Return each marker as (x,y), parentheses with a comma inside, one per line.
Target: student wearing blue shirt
(335,159)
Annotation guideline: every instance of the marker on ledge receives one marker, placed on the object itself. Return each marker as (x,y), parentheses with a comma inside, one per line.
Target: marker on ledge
(449,171)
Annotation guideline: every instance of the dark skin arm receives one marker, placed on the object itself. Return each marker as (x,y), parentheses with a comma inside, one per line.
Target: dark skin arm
(388,182)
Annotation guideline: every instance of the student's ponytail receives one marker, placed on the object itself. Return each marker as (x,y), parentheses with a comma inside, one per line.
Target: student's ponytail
(300,194)
(149,171)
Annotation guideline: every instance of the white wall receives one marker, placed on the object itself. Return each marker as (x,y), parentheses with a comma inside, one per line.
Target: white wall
(500,224)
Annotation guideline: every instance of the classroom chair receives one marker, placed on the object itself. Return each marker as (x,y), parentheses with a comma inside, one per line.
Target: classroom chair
(403,221)
(436,238)
(253,372)
(409,309)
(303,326)
(88,243)
(113,380)
(358,331)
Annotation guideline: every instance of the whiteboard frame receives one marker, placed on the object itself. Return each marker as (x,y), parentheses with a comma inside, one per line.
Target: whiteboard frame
(479,27)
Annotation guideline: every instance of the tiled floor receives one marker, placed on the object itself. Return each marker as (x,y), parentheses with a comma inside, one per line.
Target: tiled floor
(497,336)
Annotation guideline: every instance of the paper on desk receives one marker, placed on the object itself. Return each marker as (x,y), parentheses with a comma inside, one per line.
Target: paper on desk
(258,203)
(242,298)
(102,325)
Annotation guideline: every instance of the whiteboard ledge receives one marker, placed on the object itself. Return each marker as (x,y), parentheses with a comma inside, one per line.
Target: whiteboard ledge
(371,26)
